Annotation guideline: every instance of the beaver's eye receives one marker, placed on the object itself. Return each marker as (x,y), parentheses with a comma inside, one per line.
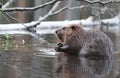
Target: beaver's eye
(63,28)
(73,27)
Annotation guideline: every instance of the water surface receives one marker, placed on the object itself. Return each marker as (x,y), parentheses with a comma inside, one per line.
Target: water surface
(34,57)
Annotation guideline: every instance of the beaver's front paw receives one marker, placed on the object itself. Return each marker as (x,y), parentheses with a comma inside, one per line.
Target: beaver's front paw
(57,49)
(59,45)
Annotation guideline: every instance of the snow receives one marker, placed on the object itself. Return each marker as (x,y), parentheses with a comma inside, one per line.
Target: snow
(47,26)
(111,21)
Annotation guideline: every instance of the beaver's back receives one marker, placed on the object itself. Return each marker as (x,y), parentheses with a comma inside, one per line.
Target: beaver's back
(99,41)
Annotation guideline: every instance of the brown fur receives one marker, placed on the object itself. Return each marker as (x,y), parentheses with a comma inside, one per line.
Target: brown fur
(77,41)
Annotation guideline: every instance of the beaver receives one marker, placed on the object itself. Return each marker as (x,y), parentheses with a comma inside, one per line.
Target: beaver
(77,41)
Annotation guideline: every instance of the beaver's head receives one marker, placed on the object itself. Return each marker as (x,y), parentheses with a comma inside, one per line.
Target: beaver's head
(67,31)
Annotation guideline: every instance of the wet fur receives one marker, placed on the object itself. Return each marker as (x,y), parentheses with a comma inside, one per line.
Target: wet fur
(77,41)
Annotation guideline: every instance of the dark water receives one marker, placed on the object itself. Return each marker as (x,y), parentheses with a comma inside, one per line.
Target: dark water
(26,56)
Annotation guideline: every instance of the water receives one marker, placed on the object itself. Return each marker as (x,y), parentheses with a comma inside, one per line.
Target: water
(32,59)
(74,67)
(35,57)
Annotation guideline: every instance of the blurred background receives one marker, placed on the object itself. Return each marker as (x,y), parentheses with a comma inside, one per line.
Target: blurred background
(98,10)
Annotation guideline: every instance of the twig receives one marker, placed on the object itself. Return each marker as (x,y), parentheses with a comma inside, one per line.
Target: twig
(27,9)
(5,17)
(7,4)
(45,16)
(69,8)
(30,28)
(14,19)
(101,10)
(51,11)
(101,2)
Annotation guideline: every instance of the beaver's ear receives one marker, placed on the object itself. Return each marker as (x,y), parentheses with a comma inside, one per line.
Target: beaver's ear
(73,27)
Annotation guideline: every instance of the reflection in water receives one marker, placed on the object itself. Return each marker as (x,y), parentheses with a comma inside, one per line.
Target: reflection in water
(28,60)
(25,65)
(75,67)
(27,43)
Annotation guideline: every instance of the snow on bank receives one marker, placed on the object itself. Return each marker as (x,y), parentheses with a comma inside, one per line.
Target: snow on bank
(111,21)
(48,24)
(56,24)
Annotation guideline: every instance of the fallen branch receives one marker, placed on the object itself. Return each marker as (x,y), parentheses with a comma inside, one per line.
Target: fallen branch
(34,25)
(53,12)
(48,3)
(44,24)
(31,26)
(27,9)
